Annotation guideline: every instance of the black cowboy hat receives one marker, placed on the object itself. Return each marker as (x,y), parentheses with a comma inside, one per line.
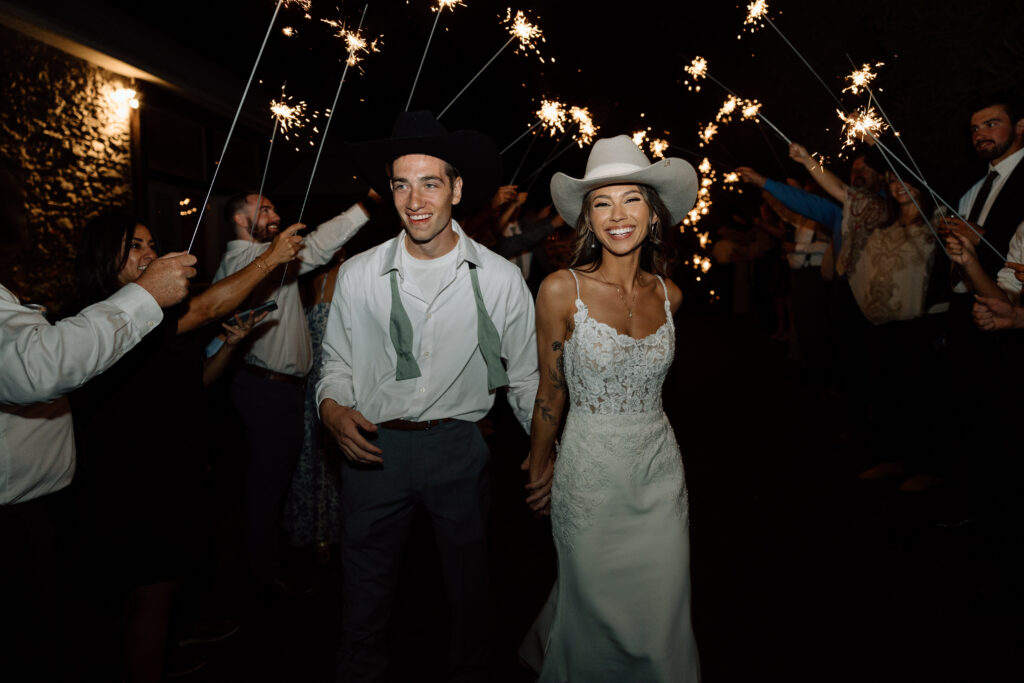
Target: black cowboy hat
(473,154)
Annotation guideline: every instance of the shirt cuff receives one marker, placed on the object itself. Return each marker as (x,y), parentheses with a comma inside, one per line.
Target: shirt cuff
(139,305)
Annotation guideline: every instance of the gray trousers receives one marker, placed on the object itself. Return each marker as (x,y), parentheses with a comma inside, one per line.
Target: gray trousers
(444,471)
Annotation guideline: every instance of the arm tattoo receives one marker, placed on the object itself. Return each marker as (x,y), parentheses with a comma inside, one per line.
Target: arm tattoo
(557,373)
(545,412)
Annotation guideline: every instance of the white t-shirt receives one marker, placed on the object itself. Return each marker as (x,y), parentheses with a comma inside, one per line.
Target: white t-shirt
(428,274)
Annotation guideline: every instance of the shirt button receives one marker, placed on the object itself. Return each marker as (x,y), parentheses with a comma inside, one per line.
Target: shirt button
(151,324)
(426,354)
(428,316)
(422,389)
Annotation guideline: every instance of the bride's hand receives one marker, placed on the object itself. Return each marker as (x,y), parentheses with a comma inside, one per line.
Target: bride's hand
(539,490)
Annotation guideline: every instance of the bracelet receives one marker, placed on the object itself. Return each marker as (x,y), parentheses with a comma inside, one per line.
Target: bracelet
(262,266)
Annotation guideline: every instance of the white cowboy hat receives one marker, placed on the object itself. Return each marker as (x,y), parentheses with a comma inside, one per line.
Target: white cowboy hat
(617,161)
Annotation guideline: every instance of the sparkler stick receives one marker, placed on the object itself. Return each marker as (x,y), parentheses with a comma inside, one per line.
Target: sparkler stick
(334,105)
(523,160)
(509,145)
(700,70)
(234,121)
(521,30)
(441,4)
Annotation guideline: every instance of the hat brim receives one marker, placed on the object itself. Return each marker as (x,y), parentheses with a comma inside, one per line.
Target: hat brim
(473,154)
(675,181)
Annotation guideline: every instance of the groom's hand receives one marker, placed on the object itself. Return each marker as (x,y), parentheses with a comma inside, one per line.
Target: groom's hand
(539,490)
(344,424)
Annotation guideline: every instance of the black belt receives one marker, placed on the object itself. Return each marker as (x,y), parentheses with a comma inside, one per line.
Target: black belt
(276,376)
(410,426)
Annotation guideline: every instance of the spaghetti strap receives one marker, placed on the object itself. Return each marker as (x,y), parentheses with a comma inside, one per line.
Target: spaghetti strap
(573,272)
(664,287)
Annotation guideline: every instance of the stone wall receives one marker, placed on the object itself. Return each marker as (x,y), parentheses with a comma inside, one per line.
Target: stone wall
(65,155)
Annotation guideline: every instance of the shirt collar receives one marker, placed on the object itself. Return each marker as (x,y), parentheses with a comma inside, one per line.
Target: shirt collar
(1006,166)
(466,249)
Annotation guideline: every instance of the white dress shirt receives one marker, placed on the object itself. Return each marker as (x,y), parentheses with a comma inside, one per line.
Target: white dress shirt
(359,357)
(1004,168)
(39,363)
(1006,279)
(281,342)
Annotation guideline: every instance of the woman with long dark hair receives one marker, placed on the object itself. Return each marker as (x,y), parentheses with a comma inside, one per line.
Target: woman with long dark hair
(616,491)
(139,433)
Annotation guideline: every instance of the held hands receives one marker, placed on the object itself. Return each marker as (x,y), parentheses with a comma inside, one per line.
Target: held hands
(505,194)
(285,247)
(166,278)
(749,175)
(344,424)
(991,313)
(538,497)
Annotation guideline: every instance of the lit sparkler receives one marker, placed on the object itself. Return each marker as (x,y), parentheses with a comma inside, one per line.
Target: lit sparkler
(355,43)
(658,147)
(552,116)
(731,177)
(863,123)
(521,30)
(437,9)
(289,32)
(751,109)
(639,137)
(707,132)
(704,239)
(703,204)
(726,110)
(861,78)
(698,69)
(303,4)
(757,13)
(234,121)
(585,128)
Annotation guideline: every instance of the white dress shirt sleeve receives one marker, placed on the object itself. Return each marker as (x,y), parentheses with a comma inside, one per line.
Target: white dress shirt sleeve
(41,361)
(519,349)
(1006,279)
(320,245)
(336,374)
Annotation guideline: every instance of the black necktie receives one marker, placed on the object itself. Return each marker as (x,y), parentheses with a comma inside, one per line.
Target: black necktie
(979,201)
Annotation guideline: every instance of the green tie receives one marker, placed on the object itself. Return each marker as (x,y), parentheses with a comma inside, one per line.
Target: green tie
(487,337)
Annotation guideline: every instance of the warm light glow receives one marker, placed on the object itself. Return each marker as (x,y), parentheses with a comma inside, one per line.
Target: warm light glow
(288,31)
(861,125)
(303,4)
(698,69)
(707,132)
(552,116)
(354,41)
(658,147)
(639,137)
(585,130)
(528,34)
(446,4)
(757,12)
(861,78)
(125,99)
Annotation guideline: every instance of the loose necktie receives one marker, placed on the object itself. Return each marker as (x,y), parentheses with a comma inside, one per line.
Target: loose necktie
(983,193)
(488,339)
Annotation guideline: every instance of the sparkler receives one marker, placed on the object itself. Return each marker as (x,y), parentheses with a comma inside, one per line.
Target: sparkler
(658,147)
(551,115)
(437,9)
(353,45)
(639,137)
(354,41)
(757,14)
(861,78)
(749,108)
(234,121)
(862,123)
(585,128)
(698,69)
(706,133)
(703,204)
(526,33)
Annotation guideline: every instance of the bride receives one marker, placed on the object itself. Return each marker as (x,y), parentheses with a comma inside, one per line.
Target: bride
(615,493)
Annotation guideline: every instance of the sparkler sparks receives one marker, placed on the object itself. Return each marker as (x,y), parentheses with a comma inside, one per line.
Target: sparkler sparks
(757,14)
(304,5)
(862,124)
(354,41)
(698,69)
(704,239)
(639,137)
(658,147)
(586,130)
(522,30)
(707,132)
(447,4)
(731,177)
(289,32)
(703,205)
(751,109)
(728,107)
(552,116)
(861,78)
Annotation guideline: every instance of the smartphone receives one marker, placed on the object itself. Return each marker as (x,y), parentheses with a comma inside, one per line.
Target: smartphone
(244,315)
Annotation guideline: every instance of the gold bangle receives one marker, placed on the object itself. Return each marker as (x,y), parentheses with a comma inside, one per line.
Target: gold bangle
(262,266)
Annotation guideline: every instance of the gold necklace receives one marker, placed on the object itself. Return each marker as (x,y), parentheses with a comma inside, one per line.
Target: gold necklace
(622,298)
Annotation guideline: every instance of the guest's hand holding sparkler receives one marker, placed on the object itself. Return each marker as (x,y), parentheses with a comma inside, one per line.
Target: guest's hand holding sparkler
(799,154)
(749,175)
(504,195)
(996,313)
(284,248)
(961,248)
(828,180)
(952,224)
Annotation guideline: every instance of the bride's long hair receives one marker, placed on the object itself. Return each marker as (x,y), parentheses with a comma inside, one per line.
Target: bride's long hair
(586,250)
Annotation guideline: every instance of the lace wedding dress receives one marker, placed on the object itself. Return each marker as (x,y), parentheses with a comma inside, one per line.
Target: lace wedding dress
(621,606)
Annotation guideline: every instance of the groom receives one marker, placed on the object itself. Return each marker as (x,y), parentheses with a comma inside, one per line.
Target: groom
(424,329)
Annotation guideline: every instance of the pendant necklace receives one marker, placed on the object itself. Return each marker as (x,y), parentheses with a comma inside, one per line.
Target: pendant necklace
(622,298)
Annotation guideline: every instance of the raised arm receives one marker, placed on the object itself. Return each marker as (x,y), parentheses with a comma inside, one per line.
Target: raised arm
(828,180)
(227,295)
